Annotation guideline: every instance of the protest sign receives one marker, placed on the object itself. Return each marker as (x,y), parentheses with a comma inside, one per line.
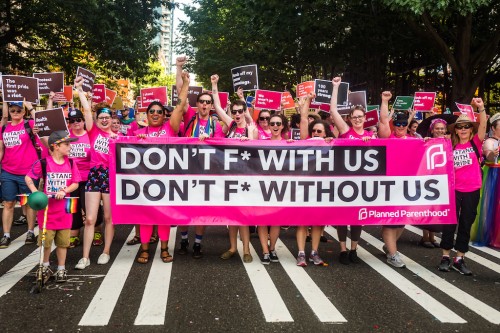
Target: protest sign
(118,104)
(467,110)
(371,118)
(403,103)
(371,107)
(265,99)
(323,107)
(289,112)
(323,90)
(304,88)
(356,98)
(88,78)
(48,82)
(49,121)
(110,96)
(99,93)
(424,101)
(193,93)
(149,95)
(224,99)
(245,77)
(249,101)
(17,88)
(229,182)
(295,134)
(287,101)
(65,96)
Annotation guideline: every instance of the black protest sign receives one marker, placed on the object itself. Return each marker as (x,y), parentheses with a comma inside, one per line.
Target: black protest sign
(48,82)
(49,121)
(245,77)
(19,88)
(323,90)
(193,92)
(88,78)
(355,98)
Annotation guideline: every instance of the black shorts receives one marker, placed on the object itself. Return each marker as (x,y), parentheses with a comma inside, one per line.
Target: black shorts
(98,180)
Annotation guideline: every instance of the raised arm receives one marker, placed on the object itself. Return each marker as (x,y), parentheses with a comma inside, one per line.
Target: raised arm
(215,94)
(334,114)
(384,129)
(478,104)
(87,112)
(50,102)
(176,117)
(304,112)
(5,114)
(179,62)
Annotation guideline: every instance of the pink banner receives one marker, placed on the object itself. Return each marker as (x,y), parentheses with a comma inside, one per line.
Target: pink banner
(149,95)
(265,99)
(424,101)
(99,93)
(309,182)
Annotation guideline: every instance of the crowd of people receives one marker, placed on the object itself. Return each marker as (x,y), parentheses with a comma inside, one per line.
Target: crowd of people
(77,165)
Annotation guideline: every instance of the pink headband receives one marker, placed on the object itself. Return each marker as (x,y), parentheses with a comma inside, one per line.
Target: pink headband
(435,121)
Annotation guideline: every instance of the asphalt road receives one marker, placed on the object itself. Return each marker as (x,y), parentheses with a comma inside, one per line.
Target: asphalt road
(213,295)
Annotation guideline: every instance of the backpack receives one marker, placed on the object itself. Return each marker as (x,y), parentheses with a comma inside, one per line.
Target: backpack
(210,121)
(28,130)
(233,128)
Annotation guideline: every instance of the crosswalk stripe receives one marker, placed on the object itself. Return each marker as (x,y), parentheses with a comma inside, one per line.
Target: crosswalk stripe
(15,245)
(428,303)
(269,298)
(102,305)
(154,300)
(315,298)
(470,255)
(482,309)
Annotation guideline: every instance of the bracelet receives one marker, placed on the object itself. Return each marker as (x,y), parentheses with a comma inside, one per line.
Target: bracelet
(30,110)
(482,110)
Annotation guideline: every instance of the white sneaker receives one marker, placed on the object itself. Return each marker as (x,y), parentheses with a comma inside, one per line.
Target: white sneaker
(83,263)
(103,259)
(395,260)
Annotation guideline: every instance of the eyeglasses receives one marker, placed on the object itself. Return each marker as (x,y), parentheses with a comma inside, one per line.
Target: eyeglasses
(153,111)
(205,101)
(316,131)
(15,111)
(240,111)
(400,124)
(275,123)
(264,118)
(77,120)
(357,117)
(467,126)
(104,118)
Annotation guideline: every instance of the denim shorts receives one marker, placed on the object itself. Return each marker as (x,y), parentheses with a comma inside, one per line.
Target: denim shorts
(12,185)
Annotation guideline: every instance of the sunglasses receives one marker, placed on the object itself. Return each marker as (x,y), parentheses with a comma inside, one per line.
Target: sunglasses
(317,131)
(459,127)
(153,111)
(205,101)
(275,123)
(400,124)
(264,118)
(77,120)
(240,111)
(16,111)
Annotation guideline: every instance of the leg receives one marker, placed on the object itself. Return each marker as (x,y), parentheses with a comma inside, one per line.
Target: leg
(301,235)
(342,234)
(233,238)
(263,237)
(274,234)
(61,255)
(355,236)
(7,215)
(245,238)
(467,216)
(315,237)
(146,232)
(109,232)
(92,202)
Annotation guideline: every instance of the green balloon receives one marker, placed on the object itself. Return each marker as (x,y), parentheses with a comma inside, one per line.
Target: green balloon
(38,200)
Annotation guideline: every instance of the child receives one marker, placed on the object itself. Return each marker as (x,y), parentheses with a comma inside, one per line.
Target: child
(61,177)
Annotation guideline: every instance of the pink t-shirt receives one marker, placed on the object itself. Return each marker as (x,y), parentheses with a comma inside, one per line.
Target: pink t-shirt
(203,125)
(392,136)
(351,134)
(19,152)
(467,171)
(80,153)
(99,143)
(59,176)
(238,132)
(132,128)
(163,131)
(263,135)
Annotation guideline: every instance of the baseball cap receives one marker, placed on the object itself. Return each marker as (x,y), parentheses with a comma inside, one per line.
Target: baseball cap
(59,137)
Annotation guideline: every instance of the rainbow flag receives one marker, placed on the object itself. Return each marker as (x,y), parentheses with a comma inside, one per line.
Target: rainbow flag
(23,199)
(71,205)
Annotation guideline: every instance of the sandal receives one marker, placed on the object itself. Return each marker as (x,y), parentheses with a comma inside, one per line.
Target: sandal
(134,241)
(153,239)
(165,256)
(143,259)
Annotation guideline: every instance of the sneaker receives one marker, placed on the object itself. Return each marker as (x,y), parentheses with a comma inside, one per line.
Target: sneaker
(265,260)
(460,267)
(344,258)
(21,220)
(46,274)
(445,264)
(74,241)
(4,242)
(30,238)
(83,263)
(395,260)
(353,257)
(97,241)
(316,259)
(197,253)
(274,256)
(184,247)
(61,276)
(103,259)
(301,260)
